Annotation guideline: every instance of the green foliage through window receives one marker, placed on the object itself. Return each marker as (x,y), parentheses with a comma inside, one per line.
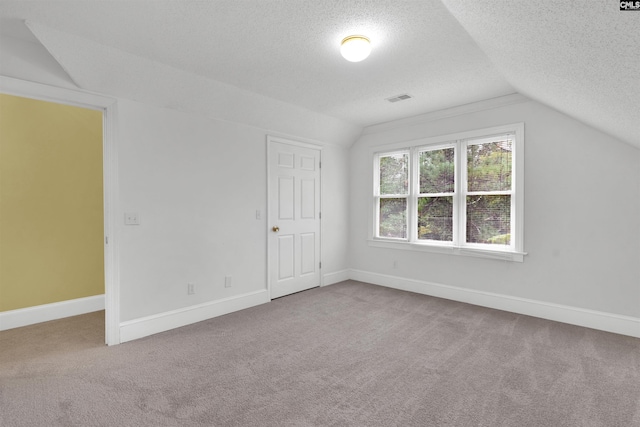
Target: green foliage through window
(435,218)
(461,192)
(489,219)
(393,218)
(437,171)
(489,166)
(394,174)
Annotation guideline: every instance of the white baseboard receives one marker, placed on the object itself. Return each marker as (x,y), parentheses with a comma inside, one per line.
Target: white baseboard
(624,325)
(145,326)
(335,277)
(43,313)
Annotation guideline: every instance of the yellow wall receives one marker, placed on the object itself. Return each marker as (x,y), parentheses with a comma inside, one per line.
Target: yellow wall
(51,204)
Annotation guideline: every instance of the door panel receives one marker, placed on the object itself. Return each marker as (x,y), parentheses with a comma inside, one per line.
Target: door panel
(307,253)
(286,198)
(285,160)
(294,212)
(286,258)
(307,163)
(308,199)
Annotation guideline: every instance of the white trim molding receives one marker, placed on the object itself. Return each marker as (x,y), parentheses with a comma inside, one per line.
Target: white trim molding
(145,326)
(107,105)
(335,277)
(449,250)
(43,92)
(609,322)
(46,312)
(271,140)
(487,104)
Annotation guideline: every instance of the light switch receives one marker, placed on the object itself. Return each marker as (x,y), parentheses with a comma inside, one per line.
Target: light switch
(131,218)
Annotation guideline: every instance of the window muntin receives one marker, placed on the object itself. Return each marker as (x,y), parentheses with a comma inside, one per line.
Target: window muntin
(459,194)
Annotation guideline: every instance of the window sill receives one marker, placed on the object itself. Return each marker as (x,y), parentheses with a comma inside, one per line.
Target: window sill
(450,250)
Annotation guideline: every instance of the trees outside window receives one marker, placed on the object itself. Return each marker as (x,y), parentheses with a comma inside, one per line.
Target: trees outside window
(393,192)
(460,193)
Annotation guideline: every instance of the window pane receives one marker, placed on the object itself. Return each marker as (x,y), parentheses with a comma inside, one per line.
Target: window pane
(393,218)
(489,219)
(435,218)
(437,171)
(489,165)
(394,174)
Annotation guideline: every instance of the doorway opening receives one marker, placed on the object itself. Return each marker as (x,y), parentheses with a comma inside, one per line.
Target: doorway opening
(65,207)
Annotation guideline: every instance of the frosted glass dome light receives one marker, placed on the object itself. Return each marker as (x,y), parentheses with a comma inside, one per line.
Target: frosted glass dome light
(355,48)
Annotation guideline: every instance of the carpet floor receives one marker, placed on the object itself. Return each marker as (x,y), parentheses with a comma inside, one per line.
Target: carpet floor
(350,354)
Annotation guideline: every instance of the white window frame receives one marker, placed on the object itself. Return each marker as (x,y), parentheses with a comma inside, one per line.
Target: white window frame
(459,246)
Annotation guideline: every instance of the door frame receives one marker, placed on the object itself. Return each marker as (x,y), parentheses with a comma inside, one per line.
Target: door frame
(276,139)
(108,106)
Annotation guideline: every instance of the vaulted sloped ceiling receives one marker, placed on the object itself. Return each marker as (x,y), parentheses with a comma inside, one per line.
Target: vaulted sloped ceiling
(109,70)
(579,59)
(284,49)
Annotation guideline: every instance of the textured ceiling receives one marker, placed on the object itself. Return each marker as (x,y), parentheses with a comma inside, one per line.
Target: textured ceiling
(443,53)
(580,57)
(289,49)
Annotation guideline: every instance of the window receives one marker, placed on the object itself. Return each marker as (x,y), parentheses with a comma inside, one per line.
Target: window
(394,194)
(459,194)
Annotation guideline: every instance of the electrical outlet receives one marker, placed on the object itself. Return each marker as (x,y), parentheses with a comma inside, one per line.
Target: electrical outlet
(227,281)
(191,288)
(131,218)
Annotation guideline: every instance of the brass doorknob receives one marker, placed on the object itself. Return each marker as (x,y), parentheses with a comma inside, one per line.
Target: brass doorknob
(275,228)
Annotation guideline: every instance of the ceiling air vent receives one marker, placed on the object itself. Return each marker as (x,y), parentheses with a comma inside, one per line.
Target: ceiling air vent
(399,98)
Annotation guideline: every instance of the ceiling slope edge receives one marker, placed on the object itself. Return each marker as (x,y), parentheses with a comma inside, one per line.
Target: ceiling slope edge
(582,74)
(618,125)
(29,60)
(106,70)
(599,122)
(36,30)
(487,104)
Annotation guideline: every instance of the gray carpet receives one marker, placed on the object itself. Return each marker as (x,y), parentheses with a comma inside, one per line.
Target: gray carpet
(350,354)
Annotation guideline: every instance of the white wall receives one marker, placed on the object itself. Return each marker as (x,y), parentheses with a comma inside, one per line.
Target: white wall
(581,232)
(196,185)
(196,182)
(31,62)
(335,213)
(582,210)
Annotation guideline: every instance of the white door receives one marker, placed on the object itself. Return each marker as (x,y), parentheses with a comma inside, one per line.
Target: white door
(294,215)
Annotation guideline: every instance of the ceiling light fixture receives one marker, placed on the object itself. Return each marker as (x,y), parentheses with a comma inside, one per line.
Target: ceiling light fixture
(355,48)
